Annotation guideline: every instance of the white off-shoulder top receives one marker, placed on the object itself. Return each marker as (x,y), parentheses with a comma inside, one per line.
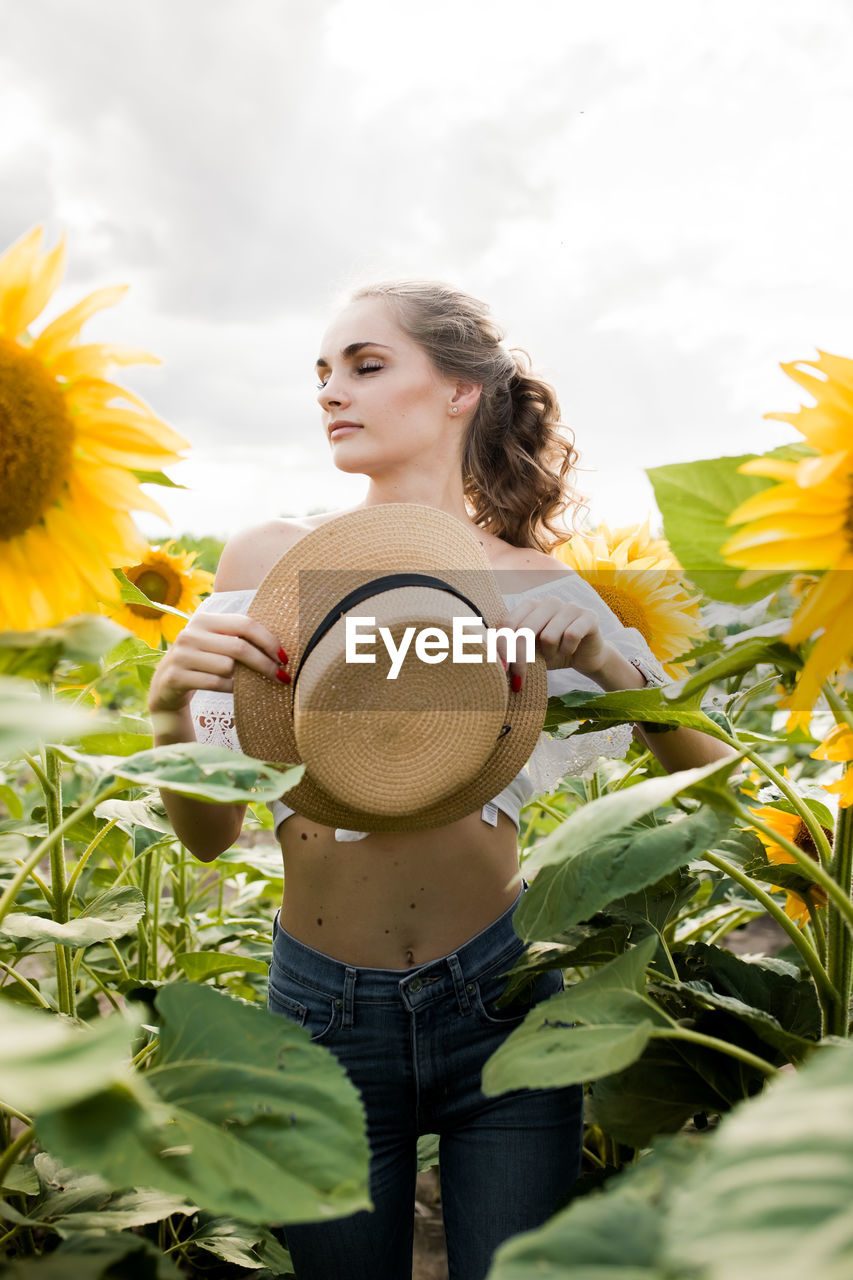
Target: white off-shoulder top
(552,758)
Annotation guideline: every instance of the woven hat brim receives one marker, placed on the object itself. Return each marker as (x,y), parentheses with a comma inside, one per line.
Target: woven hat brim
(295,595)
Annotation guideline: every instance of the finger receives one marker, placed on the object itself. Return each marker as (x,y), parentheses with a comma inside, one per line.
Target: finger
(248,629)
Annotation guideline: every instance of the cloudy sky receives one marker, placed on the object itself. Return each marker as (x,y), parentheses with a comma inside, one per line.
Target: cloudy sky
(655,198)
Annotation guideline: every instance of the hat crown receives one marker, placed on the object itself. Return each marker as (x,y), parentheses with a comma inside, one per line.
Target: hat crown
(422,749)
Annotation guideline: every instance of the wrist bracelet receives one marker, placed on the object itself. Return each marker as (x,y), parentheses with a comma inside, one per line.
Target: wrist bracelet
(653,681)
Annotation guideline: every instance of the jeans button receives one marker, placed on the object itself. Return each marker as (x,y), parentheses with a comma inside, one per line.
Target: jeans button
(469,986)
(415,984)
(339,1004)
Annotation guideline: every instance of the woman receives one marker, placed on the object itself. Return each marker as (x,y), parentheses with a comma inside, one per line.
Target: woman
(392,949)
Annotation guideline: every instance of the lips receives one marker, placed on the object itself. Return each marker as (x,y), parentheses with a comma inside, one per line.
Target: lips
(342,425)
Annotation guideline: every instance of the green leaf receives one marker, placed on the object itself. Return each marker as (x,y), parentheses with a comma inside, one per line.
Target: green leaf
(148,813)
(241,1114)
(427,1151)
(789,999)
(114,914)
(241,1244)
(10,800)
(156,477)
(601,1237)
(664,705)
(46,1061)
(201,965)
(592,875)
(547,1051)
(130,594)
(20,1181)
(661,1091)
(84,638)
(614,812)
(97,1257)
(695,500)
(27,720)
(194,769)
(744,656)
(771,1197)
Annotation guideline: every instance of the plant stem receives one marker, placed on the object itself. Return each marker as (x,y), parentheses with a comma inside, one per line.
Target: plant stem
(711,1042)
(839,943)
(34,992)
(638,764)
(17,1148)
(827,993)
(9,894)
(143,1053)
(65,984)
(86,855)
(547,808)
(790,793)
(840,710)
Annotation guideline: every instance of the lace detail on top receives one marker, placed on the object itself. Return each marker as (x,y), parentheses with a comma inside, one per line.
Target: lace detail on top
(213,719)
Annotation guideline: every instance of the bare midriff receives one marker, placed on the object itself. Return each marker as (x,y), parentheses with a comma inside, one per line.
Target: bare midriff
(395,900)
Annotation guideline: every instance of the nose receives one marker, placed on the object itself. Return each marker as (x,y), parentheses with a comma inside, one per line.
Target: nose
(332,393)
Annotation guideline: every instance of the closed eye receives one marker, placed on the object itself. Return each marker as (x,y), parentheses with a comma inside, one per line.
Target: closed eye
(366,366)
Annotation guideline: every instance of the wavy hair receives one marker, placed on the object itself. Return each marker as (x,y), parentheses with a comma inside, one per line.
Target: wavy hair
(518,456)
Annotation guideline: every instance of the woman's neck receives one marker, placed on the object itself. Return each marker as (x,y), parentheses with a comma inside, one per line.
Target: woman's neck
(427,490)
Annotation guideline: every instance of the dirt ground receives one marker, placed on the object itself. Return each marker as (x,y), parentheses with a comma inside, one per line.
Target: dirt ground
(430,1256)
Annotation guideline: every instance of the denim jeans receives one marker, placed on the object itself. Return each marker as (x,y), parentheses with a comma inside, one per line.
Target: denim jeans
(414,1041)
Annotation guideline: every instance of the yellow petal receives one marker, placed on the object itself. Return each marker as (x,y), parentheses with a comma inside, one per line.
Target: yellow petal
(116,426)
(96,393)
(832,594)
(16,266)
(93,359)
(44,278)
(838,745)
(110,487)
(64,329)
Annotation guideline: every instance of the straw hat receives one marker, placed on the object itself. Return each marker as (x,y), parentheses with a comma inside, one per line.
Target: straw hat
(423,749)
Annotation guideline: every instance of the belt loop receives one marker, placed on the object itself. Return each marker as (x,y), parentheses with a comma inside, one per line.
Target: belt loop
(459,985)
(349,997)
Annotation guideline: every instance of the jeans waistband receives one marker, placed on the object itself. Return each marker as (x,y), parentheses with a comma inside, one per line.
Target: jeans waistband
(496,945)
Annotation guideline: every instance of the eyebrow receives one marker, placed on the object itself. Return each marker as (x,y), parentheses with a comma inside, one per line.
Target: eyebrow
(350,351)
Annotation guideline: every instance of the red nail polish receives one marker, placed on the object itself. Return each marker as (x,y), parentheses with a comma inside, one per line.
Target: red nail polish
(282,656)
(515,683)
(282,676)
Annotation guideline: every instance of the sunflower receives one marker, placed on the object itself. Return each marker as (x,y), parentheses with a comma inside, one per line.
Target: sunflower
(805,521)
(791,827)
(639,578)
(68,457)
(838,745)
(168,577)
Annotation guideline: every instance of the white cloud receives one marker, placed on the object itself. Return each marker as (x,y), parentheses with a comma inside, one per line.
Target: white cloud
(655,198)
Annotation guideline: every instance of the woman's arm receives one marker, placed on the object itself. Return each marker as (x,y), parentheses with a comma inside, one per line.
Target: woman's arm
(568,635)
(677,748)
(203,657)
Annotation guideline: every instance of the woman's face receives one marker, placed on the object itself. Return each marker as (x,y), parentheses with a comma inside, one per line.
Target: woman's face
(384,387)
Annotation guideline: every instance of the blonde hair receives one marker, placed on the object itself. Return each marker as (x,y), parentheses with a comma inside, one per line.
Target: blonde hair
(517,456)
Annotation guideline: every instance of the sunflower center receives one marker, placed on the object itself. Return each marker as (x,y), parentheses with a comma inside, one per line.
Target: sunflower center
(803,840)
(628,610)
(158,583)
(36,439)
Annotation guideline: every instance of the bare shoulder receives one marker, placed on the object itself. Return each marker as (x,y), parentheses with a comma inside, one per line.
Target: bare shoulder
(248,556)
(523,568)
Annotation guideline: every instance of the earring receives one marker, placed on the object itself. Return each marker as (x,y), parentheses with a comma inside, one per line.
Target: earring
(454,408)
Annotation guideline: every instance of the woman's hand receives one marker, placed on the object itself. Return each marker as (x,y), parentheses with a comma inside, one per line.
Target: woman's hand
(566,636)
(203,656)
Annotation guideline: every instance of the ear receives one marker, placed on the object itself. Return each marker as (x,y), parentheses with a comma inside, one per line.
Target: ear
(466,396)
